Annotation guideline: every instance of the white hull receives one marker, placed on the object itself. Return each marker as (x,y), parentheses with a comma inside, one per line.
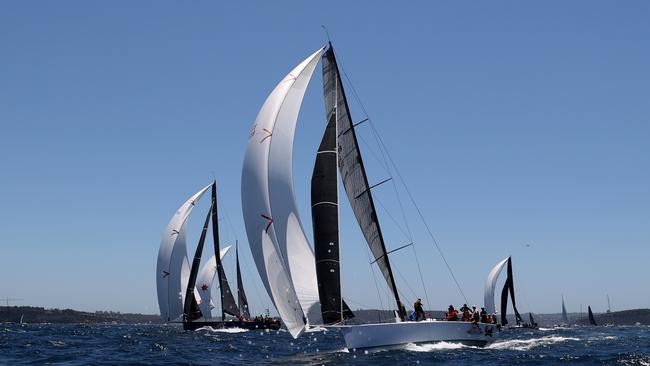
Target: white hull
(392,334)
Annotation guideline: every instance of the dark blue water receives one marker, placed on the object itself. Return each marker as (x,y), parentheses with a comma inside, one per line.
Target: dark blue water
(170,345)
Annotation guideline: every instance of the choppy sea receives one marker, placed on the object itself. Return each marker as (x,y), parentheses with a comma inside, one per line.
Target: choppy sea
(74,344)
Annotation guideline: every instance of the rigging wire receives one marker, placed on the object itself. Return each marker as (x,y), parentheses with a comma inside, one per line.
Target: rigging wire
(263,299)
(408,192)
(408,232)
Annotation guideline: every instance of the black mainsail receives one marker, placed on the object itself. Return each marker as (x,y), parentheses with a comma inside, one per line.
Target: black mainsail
(228,305)
(325,220)
(509,286)
(353,173)
(191,309)
(241,295)
(592,320)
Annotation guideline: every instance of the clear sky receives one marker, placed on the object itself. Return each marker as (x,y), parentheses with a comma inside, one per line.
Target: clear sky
(521,128)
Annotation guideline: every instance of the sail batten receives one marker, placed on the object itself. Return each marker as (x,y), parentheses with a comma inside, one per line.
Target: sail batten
(353,174)
(325,224)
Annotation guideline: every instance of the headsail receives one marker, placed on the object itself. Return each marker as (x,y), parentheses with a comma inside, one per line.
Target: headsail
(228,305)
(204,283)
(353,172)
(242,302)
(191,309)
(490,285)
(290,282)
(172,269)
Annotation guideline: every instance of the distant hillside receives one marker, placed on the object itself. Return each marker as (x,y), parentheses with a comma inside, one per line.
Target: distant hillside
(32,314)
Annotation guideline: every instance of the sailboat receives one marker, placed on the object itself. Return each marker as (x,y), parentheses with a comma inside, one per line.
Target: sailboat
(508,287)
(565,318)
(592,320)
(297,280)
(193,305)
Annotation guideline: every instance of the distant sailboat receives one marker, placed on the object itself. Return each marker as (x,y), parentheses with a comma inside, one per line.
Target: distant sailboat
(297,280)
(565,318)
(592,320)
(508,287)
(197,302)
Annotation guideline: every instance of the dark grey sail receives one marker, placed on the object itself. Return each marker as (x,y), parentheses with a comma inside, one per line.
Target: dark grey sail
(509,286)
(353,172)
(228,305)
(191,309)
(565,318)
(241,295)
(325,223)
(592,320)
(532,321)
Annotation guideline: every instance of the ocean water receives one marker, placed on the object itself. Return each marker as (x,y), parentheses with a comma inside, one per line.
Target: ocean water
(74,344)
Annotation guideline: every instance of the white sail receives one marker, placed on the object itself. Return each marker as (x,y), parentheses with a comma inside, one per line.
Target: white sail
(205,281)
(172,269)
(292,241)
(283,103)
(490,284)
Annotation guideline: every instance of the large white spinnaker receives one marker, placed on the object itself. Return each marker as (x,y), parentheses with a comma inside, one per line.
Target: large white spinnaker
(268,249)
(205,281)
(490,285)
(172,269)
(292,241)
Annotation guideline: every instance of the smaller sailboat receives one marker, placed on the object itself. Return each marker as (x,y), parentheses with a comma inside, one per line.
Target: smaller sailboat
(508,288)
(193,304)
(565,318)
(592,319)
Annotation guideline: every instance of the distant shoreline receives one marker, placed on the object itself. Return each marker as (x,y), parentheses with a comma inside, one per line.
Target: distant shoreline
(32,314)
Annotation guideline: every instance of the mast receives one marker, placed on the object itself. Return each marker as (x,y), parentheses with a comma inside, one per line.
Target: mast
(228,305)
(353,173)
(191,309)
(241,296)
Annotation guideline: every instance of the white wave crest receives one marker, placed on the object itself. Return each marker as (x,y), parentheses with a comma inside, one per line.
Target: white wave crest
(315,328)
(438,346)
(526,344)
(223,330)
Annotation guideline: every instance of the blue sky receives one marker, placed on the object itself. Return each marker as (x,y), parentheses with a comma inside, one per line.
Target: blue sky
(521,128)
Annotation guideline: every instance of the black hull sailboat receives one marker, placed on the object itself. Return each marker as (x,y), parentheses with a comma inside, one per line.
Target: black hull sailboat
(193,318)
